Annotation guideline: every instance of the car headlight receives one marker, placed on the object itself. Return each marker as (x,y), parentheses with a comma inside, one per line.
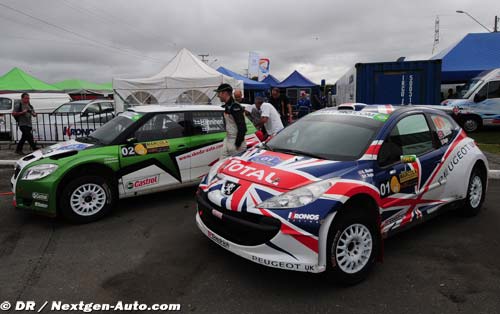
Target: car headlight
(40,171)
(299,197)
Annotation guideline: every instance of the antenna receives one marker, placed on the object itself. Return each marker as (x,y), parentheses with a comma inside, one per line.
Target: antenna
(436,34)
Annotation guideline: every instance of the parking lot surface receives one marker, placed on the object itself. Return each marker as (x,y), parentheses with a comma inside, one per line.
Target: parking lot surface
(150,250)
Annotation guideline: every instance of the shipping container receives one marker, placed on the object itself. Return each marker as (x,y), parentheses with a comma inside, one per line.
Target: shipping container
(398,83)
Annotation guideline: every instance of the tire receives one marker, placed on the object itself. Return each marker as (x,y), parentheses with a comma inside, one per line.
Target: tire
(476,190)
(353,237)
(470,124)
(87,199)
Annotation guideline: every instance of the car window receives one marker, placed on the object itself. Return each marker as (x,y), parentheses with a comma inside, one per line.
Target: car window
(5,104)
(410,136)
(494,89)
(162,126)
(93,108)
(107,107)
(206,122)
(445,128)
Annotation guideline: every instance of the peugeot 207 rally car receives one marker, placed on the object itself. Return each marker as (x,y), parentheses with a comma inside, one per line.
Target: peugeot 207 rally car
(144,150)
(324,192)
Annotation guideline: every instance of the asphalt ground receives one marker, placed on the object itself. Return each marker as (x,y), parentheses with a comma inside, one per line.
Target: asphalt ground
(150,250)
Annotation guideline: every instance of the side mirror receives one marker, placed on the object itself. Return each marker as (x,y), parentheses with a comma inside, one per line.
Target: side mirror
(132,140)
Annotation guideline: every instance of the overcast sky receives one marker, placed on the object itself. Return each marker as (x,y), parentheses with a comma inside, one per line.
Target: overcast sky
(97,40)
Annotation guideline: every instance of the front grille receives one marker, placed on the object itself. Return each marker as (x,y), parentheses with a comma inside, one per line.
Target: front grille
(238,227)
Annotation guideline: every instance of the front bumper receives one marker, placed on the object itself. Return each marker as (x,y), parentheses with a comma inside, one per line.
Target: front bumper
(259,238)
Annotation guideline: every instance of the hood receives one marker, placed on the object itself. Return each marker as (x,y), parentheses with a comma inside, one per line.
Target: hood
(455,102)
(53,150)
(281,171)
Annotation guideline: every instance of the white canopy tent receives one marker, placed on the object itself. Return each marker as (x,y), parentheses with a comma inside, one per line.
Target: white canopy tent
(185,79)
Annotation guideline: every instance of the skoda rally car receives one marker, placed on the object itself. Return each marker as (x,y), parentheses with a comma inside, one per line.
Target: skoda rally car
(144,150)
(324,192)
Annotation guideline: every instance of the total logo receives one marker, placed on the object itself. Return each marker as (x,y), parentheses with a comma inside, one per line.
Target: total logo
(308,217)
(143,182)
(248,171)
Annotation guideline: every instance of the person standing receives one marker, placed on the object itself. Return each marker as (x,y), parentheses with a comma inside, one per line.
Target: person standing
(269,117)
(238,96)
(23,112)
(303,105)
(234,120)
(282,105)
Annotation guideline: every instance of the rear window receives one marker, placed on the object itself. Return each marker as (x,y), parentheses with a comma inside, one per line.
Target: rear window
(5,104)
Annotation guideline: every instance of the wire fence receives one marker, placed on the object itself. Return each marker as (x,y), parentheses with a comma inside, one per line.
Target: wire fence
(51,128)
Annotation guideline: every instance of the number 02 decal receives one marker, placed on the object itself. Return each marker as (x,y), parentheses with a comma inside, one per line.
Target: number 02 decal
(128,151)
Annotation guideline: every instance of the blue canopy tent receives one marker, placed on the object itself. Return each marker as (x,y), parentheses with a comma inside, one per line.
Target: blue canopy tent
(469,57)
(248,84)
(295,83)
(271,80)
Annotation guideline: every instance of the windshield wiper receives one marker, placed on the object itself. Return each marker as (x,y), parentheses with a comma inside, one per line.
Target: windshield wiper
(297,152)
(267,147)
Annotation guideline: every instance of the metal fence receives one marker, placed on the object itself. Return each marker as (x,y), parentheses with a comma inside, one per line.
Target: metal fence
(50,128)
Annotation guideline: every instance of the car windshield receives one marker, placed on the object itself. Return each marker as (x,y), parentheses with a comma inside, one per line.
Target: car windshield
(5,104)
(70,108)
(469,88)
(339,137)
(107,133)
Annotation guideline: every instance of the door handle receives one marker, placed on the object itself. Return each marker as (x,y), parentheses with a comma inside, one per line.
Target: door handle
(181,146)
(393,171)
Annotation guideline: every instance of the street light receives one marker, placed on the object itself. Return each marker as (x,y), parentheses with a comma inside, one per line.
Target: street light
(489,31)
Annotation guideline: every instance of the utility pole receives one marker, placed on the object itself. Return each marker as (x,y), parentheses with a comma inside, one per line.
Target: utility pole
(495,29)
(204,58)
(436,34)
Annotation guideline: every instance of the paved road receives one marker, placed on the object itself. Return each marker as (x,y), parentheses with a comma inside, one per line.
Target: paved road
(150,250)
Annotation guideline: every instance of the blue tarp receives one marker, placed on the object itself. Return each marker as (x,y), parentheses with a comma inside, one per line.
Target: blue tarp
(470,56)
(296,80)
(271,80)
(248,84)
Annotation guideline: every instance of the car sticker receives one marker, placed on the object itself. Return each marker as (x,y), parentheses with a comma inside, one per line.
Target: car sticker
(134,116)
(382,117)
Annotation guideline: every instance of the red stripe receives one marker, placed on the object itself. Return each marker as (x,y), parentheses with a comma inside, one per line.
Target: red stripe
(311,243)
(373,149)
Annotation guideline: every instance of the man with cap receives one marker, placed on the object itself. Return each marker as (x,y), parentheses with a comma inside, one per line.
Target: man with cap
(234,118)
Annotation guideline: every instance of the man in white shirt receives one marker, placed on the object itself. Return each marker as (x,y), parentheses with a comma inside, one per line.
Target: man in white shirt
(269,117)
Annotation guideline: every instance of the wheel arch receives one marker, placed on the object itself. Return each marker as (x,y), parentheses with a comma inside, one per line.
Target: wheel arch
(341,209)
(89,168)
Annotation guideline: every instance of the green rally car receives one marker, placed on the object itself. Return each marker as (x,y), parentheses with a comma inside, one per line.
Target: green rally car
(143,150)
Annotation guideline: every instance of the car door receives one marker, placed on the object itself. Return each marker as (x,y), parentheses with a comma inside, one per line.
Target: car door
(406,161)
(487,102)
(206,142)
(147,160)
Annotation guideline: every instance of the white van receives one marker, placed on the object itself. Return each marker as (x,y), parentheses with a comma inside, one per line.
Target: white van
(42,102)
(479,101)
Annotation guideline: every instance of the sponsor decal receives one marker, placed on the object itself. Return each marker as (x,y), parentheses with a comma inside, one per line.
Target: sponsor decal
(229,188)
(395,186)
(41,205)
(251,172)
(157,146)
(140,150)
(143,182)
(40,196)
(134,116)
(201,151)
(406,159)
(267,160)
(69,131)
(455,160)
(73,147)
(366,173)
(217,240)
(294,216)
(282,265)
(110,160)
(408,175)
(382,117)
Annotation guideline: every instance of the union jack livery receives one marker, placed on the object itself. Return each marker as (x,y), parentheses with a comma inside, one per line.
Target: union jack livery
(324,192)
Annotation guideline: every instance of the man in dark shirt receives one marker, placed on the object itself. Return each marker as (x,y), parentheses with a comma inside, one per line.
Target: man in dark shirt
(282,105)
(234,118)
(23,112)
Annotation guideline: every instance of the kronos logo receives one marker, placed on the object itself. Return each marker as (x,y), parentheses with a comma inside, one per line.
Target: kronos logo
(69,131)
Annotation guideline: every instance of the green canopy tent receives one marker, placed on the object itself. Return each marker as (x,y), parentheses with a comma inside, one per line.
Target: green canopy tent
(81,89)
(18,80)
